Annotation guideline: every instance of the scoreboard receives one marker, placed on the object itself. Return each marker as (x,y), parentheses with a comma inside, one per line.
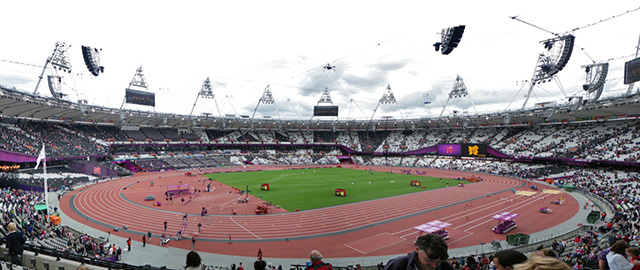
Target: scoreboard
(464,150)
(325,110)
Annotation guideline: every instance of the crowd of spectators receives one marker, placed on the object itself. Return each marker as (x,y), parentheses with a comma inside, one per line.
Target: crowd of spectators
(610,140)
(19,207)
(616,140)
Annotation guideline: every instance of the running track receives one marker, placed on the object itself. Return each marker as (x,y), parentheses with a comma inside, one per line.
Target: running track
(379,227)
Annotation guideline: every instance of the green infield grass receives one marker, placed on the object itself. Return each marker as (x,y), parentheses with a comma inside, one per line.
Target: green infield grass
(315,188)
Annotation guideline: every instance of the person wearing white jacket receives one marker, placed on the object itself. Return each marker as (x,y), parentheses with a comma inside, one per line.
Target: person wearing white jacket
(616,258)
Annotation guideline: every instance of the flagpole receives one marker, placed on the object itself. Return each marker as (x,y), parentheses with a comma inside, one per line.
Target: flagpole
(46,188)
(43,157)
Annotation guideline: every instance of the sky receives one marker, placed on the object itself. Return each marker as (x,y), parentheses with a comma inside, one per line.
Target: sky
(245,46)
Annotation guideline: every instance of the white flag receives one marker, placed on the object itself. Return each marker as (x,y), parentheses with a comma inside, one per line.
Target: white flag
(41,157)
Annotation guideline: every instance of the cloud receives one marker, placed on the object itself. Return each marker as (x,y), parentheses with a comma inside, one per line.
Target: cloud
(350,79)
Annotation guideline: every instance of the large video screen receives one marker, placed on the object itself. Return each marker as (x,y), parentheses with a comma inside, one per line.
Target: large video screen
(449,150)
(140,97)
(632,71)
(325,110)
(474,150)
(465,150)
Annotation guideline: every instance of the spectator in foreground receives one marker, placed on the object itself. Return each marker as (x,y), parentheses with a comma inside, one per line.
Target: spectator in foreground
(316,262)
(193,261)
(634,255)
(506,259)
(616,258)
(430,254)
(15,240)
(259,265)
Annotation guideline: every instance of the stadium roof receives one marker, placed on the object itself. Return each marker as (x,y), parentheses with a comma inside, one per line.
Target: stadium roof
(289,45)
(22,105)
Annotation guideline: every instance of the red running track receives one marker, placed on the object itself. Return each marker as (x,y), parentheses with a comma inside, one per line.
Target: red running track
(372,228)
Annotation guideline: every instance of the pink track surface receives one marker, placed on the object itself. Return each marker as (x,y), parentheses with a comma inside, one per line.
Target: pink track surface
(372,228)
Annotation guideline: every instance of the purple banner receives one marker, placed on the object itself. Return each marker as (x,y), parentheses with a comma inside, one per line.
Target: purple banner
(16,157)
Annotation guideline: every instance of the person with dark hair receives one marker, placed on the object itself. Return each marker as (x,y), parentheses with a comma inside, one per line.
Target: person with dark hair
(506,259)
(430,254)
(634,256)
(316,262)
(616,259)
(259,265)
(15,241)
(193,261)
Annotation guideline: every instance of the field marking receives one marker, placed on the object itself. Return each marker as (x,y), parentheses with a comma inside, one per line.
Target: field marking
(231,218)
(379,248)
(458,239)
(406,235)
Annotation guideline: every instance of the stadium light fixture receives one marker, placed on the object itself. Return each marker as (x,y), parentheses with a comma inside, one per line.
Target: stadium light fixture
(91,58)
(556,55)
(595,79)
(450,38)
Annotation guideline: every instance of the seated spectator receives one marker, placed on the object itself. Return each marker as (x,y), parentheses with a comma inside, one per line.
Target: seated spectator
(430,254)
(193,261)
(259,265)
(616,258)
(506,259)
(633,253)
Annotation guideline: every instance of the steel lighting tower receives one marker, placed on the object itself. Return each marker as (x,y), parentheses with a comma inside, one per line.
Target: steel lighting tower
(325,110)
(140,95)
(267,98)
(59,60)
(387,98)
(554,58)
(206,92)
(325,98)
(459,90)
(595,79)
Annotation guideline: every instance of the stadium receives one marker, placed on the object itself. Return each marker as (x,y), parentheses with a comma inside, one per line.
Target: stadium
(359,190)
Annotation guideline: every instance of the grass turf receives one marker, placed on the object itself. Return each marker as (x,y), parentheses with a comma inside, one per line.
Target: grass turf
(315,188)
